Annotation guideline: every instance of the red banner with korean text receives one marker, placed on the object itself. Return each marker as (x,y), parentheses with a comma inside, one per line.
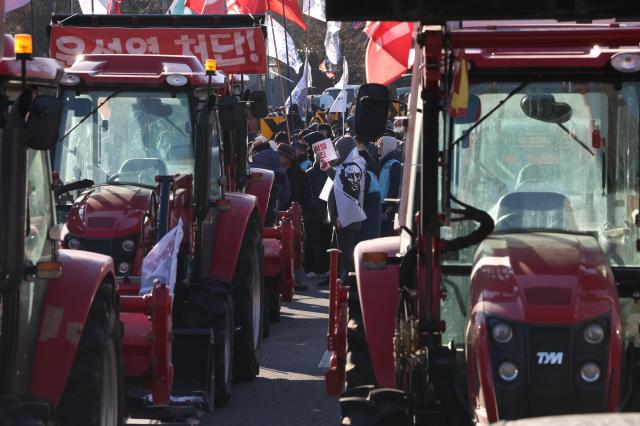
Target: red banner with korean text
(236,50)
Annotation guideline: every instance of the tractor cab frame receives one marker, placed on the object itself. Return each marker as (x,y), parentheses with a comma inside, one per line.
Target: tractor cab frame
(492,321)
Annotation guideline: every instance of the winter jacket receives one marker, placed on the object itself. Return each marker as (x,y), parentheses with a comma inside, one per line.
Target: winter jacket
(390,176)
(270,160)
(318,207)
(300,189)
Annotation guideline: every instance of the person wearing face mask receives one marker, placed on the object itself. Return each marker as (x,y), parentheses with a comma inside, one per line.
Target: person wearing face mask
(302,156)
(390,178)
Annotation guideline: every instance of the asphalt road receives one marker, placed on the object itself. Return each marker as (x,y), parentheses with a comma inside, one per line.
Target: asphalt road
(290,387)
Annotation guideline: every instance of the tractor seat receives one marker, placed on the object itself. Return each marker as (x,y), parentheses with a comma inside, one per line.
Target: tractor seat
(182,152)
(534,210)
(140,164)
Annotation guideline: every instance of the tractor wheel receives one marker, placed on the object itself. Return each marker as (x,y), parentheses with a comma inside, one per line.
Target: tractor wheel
(223,329)
(23,411)
(381,407)
(358,370)
(248,296)
(209,305)
(275,303)
(94,393)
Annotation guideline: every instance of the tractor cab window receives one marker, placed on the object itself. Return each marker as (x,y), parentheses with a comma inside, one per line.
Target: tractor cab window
(124,137)
(557,156)
(40,209)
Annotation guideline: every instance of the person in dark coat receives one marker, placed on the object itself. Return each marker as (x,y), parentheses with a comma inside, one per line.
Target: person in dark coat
(390,178)
(262,156)
(300,189)
(371,225)
(318,231)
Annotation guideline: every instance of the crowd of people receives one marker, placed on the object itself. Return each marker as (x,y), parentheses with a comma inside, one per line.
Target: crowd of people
(358,203)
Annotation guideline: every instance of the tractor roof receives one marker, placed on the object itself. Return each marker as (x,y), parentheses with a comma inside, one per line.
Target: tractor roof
(145,70)
(546,45)
(439,12)
(39,70)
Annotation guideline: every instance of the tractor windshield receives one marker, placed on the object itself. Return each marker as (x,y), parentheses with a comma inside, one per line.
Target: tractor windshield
(124,137)
(559,156)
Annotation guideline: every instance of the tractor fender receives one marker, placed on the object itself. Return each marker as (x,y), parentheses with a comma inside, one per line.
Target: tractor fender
(67,302)
(379,298)
(259,184)
(230,228)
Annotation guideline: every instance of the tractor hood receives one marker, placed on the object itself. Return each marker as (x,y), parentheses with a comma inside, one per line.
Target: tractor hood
(541,278)
(109,211)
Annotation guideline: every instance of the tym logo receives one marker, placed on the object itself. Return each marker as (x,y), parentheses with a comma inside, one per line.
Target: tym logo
(554,358)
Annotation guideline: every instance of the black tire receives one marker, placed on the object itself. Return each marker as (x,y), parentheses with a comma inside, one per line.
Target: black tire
(209,305)
(275,303)
(99,352)
(223,327)
(22,411)
(381,407)
(358,369)
(247,285)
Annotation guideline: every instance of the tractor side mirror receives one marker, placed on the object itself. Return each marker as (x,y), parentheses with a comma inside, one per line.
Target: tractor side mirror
(229,113)
(80,106)
(543,107)
(105,125)
(259,107)
(474,109)
(42,124)
(372,109)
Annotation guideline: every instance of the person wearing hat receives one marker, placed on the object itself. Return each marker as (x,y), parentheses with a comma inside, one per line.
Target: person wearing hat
(346,200)
(300,188)
(262,156)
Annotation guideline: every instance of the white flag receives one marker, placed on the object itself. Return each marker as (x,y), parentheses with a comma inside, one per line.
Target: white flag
(314,8)
(340,104)
(11,5)
(332,41)
(276,44)
(299,94)
(97,7)
(162,261)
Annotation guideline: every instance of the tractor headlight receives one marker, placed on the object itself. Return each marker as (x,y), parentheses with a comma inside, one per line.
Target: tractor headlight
(593,334)
(128,245)
(508,371)
(73,243)
(123,268)
(590,372)
(502,333)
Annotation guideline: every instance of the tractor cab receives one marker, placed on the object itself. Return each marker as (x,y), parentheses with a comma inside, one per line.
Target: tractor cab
(517,255)
(122,129)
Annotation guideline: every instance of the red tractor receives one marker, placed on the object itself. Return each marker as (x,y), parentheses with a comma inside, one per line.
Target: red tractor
(150,139)
(61,341)
(532,310)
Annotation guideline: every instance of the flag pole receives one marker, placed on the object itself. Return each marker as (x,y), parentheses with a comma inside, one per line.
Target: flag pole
(306,54)
(286,47)
(275,47)
(92,6)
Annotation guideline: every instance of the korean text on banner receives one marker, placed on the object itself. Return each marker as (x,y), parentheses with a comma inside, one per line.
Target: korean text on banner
(324,150)
(236,50)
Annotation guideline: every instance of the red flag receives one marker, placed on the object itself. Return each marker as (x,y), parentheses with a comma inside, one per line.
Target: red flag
(207,7)
(290,9)
(388,50)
